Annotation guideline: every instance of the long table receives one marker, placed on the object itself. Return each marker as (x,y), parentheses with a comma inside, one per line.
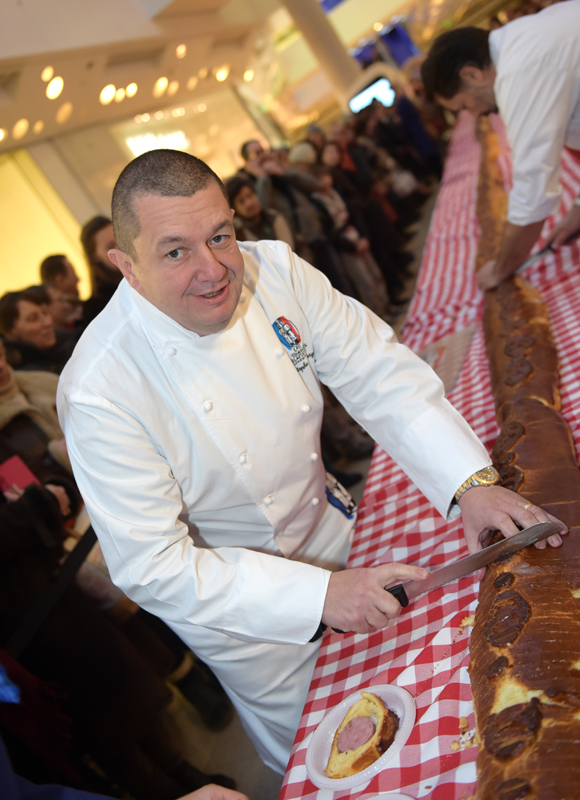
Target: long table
(426,650)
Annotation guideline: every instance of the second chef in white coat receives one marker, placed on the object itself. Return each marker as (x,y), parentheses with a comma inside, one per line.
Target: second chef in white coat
(192,411)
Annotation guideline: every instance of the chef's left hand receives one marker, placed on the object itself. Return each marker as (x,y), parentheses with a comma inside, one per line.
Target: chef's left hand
(489,508)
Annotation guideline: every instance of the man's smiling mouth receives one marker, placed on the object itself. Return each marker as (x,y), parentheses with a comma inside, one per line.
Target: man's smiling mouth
(214,294)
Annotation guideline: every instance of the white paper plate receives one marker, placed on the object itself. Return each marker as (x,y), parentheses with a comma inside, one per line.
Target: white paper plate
(396,698)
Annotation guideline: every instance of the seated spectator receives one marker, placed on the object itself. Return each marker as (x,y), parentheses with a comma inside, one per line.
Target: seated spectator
(116,702)
(29,428)
(97,238)
(62,313)
(61,281)
(252,222)
(30,338)
(32,395)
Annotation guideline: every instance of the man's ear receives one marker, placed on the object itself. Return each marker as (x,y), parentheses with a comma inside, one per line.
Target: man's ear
(125,264)
(472,76)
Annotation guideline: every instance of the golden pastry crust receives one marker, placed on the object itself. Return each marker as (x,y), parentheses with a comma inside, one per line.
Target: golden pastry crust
(525,645)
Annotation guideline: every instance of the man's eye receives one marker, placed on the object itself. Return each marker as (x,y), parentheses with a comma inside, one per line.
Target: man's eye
(219,239)
(177,253)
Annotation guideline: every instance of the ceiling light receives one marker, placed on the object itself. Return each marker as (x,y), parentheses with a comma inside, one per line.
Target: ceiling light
(203,73)
(222,73)
(3,134)
(158,115)
(202,107)
(38,126)
(20,129)
(180,50)
(131,90)
(107,94)
(47,74)
(172,88)
(161,85)
(192,83)
(54,88)
(378,27)
(145,117)
(178,112)
(175,140)
(119,95)
(64,112)
(248,75)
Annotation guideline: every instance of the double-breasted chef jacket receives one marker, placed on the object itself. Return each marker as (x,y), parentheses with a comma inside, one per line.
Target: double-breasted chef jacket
(199,462)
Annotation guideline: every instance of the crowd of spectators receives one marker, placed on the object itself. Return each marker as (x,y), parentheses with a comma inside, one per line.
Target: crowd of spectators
(345,198)
(109,661)
(95,675)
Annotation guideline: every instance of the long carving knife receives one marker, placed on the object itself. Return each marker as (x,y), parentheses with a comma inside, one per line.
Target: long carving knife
(464,566)
(439,577)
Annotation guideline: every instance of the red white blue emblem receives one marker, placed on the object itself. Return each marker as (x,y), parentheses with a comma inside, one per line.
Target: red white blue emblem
(289,335)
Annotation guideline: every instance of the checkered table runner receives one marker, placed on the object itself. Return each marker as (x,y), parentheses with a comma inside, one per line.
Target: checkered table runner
(426,650)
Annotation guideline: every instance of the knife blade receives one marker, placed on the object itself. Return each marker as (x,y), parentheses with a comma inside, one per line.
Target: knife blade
(544,251)
(457,569)
(536,257)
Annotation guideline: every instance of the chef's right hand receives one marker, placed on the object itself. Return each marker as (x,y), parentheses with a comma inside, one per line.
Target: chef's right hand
(356,599)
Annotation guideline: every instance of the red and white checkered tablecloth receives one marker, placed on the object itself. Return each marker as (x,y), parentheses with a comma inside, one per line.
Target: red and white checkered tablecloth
(426,650)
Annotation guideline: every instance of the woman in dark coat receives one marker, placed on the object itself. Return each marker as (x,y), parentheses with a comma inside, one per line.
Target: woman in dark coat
(97,238)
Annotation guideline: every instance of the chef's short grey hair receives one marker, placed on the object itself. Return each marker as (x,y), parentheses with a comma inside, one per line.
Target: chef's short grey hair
(167,173)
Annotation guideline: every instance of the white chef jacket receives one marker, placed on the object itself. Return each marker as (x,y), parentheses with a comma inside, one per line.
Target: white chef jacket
(199,461)
(537,91)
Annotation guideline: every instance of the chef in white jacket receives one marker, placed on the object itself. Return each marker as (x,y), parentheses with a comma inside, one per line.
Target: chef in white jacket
(192,411)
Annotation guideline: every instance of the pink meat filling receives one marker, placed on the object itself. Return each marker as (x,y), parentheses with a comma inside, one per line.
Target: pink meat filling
(358,731)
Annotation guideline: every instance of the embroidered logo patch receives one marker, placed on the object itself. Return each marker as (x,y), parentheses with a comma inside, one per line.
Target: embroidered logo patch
(338,496)
(289,335)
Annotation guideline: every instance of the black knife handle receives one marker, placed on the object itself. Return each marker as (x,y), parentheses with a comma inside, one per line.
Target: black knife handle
(400,594)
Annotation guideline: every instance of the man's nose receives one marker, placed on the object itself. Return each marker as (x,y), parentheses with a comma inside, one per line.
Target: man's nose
(208,268)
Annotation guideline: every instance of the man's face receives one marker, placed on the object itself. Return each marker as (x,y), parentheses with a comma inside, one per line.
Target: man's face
(68,283)
(476,93)
(254,151)
(246,203)
(331,155)
(59,308)
(34,325)
(188,262)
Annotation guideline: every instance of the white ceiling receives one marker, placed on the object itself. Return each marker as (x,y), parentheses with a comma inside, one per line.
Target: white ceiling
(93,43)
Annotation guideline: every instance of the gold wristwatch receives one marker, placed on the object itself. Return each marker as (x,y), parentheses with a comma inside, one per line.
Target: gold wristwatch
(483,477)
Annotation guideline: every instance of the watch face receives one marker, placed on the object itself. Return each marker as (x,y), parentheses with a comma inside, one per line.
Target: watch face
(488,475)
